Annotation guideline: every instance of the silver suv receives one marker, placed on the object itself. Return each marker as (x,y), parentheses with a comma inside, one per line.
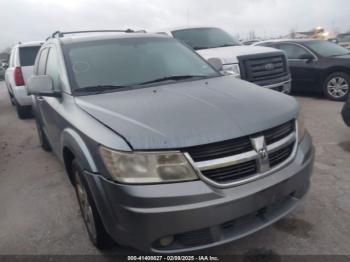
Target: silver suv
(20,68)
(166,154)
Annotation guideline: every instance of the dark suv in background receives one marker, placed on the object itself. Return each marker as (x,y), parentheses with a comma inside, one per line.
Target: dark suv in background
(316,66)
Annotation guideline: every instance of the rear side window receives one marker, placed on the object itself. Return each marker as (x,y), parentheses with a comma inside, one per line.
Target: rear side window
(27,55)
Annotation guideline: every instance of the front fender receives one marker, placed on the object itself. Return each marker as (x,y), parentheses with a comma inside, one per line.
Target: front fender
(74,142)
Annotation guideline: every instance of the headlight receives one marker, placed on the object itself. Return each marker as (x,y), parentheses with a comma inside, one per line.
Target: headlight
(143,168)
(301,126)
(232,69)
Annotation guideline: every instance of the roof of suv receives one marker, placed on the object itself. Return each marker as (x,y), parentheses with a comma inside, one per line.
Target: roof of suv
(104,36)
(28,44)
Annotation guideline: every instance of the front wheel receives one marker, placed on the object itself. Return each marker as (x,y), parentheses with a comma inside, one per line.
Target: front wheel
(336,86)
(97,233)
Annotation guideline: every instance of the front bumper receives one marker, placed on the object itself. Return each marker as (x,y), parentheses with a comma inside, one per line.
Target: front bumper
(284,87)
(196,214)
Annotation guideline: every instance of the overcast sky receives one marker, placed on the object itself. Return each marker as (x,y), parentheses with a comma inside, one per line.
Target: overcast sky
(27,20)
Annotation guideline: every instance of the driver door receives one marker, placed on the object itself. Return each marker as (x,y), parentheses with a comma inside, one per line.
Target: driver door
(303,66)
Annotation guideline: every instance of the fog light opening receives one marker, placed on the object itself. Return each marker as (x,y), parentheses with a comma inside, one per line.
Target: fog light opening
(166,241)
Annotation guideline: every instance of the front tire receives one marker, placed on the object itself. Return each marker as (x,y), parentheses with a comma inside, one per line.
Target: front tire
(97,233)
(337,86)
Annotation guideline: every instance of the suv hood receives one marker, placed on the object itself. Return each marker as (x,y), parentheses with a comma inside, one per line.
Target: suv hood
(229,54)
(190,113)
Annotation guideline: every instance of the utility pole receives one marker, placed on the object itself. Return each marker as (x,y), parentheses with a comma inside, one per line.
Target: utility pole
(188,16)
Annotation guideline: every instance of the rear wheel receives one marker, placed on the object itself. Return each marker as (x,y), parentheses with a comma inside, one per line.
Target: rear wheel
(97,233)
(23,112)
(12,100)
(336,86)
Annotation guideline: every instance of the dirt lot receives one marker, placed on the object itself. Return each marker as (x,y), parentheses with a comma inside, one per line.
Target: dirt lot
(39,213)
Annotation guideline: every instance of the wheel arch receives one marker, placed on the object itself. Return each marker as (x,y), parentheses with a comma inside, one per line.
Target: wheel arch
(335,69)
(74,147)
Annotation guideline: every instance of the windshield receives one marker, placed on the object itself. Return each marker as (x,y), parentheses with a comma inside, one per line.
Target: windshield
(344,38)
(204,38)
(128,62)
(326,49)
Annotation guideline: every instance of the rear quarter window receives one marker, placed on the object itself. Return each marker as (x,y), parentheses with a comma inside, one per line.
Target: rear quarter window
(27,55)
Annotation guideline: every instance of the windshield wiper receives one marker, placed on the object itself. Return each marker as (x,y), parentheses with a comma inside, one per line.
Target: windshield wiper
(98,89)
(175,78)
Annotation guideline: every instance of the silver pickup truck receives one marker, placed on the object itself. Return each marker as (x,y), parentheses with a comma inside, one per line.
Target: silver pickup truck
(165,153)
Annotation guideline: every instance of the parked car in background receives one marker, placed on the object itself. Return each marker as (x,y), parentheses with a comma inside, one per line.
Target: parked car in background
(166,156)
(250,42)
(344,40)
(2,72)
(316,66)
(265,67)
(20,68)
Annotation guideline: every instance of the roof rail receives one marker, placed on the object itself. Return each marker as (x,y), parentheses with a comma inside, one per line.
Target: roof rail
(60,34)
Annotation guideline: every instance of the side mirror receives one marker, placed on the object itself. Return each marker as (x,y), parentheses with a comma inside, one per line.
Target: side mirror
(41,86)
(307,57)
(216,63)
(5,65)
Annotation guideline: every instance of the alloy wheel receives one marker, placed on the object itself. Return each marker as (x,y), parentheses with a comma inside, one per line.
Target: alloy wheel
(85,206)
(338,87)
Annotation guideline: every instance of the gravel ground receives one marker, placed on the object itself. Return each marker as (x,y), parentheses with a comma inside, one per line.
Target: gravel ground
(40,215)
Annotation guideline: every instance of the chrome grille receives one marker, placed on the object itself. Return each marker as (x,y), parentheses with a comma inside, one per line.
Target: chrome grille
(280,155)
(232,172)
(220,149)
(264,70)
(267,150)
(277,133)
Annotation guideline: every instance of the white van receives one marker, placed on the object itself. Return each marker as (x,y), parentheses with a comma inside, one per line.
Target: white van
(20,68)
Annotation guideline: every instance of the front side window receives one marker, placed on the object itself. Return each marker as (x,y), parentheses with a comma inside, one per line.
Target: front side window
(205,38)
(128,62)
(327,49)
(27,55)
(294,51)
(52,68)
(42,62)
